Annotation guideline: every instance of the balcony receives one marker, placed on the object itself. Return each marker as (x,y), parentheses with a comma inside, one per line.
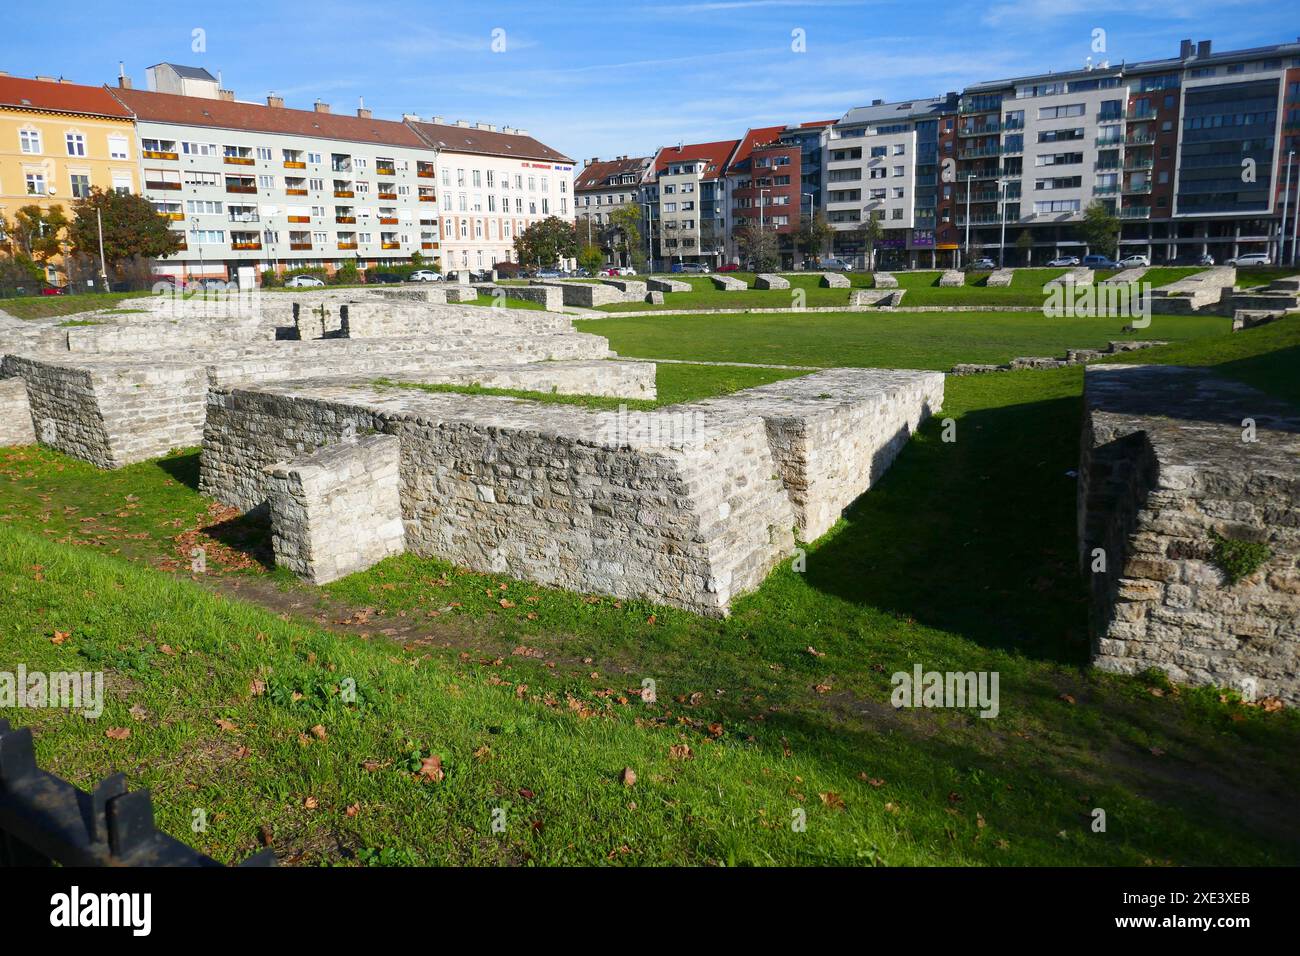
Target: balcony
(246,245)
(424,172)
(1109,142)
(979,152)
(390,245)
(1110,117)
(1139,188)
(428,245)
(428,198)
(384,195)
(239,188)
(294,164)
(173,216)
(345,220)
(244,217)
(984,219)
(986,195)
(300,246)
(347,245)
(295,191)
(1137,114)
(1106,165)
(300,218)
(160,184)
(388,220)
(341,167)
(385,170)
(158,154)
(238,160)
(1140,139)
(1135,212)
(1145,162)
(1105,190)
(344,194)
(980,106)
(988,129)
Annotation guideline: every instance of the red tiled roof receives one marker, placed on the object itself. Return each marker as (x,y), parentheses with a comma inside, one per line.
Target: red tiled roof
(462,139)
(24,94)
(595,175)
(755,137)
(232,114)
(716,154)
(812,123)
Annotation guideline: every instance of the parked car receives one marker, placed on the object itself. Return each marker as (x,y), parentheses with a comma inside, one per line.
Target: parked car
(1193,259)
(549,274)
(424,275)
(382,277)
(579,274)
(982,265)
(1250,259)
(626,271)
(54,290)
(1064,261)
(1099,262)
(729,267)
(696,267)
(836,265)
(303,282)
(1134,262)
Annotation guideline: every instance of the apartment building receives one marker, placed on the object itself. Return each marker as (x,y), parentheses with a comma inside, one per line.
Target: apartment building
(494,184)
(1186,151)
(692,202)
(882,161)
(253,186)
(57,141)
(605,186)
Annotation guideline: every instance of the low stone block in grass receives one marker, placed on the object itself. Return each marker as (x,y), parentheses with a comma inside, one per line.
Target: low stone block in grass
(768,281)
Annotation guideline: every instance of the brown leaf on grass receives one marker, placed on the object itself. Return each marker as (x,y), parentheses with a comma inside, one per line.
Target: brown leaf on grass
(242,753)
(505,602)
(117,733)
(1068,698)
(523,650)
(832,800)
(226,724)
(311,803)
(680,752)
(60,636)
(1157,752)
(483,752)
(628,777)
(318,732)
(874,781)
(526,793)
(1271,704)
(715,730)
(353,809)
(265,835)
(431,769)
(651,619)
(979,820)
(814,652)
(370,766)
(166,649)
(822,688)
(257,687)
(138,712)
(891,808)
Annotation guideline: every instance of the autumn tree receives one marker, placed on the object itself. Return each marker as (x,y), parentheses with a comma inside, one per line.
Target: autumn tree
(545,243)
(591,258)
(1100,229)
(815,234)
(132,228)
(36,233)
(625,222)
(758,246)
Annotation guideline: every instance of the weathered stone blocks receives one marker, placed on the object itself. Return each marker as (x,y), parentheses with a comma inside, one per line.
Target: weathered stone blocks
(768,281)
(667,285)
(834,280)
(338,510)
(952,278)
(726,283)
(15,414)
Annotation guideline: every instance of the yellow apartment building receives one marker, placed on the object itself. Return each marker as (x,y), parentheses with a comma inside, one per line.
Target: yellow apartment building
(59,139)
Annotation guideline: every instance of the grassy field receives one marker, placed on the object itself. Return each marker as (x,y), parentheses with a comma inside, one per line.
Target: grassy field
(882,339)
(962,558)
(52,306)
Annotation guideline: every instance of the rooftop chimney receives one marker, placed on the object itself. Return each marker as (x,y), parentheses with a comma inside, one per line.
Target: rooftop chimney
(362,112)
(227,95)
(438,120)
(410,117)
(124,82)
(877,102)
(1185,49)
(1203,49)
(322,107)
(463,124)
(275,101)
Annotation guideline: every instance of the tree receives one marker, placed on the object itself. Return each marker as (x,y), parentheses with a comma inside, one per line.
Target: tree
(1100,229)
(625,221)
(815,234)
(36,233)
(131,228)
(1025,243)
(591,258)
(872,233)
(19,272)
(545,243)
(758,246)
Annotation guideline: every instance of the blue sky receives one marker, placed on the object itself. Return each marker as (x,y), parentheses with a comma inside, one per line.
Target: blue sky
(599,79)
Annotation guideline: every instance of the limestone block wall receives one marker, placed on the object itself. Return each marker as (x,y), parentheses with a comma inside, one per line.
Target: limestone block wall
(633,289)
(113,414)
(146,336)
(1163,469)
(550,298)
(560,495)
(15,414)
(338,510)
(667,285)
(585,295)
(833,434)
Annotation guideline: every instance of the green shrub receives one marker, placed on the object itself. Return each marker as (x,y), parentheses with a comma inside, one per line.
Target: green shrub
(1238,559)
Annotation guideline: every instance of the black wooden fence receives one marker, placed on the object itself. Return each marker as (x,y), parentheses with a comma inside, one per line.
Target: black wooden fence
(45,820)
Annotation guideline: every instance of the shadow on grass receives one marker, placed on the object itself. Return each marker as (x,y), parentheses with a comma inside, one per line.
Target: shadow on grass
(183,468)
(975,536)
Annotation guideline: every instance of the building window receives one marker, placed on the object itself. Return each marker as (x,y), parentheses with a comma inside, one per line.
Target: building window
(76,144)
(29,140)
(80,185)
(264,152)
(36,184)
(117,147)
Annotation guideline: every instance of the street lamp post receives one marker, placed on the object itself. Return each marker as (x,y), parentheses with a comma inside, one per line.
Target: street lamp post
(1286,197)
(1002,215)
(970,181)
(811,211)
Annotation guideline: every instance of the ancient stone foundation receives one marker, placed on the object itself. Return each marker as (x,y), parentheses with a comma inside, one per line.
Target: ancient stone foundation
(15,414)
(1175,462)
(337,511)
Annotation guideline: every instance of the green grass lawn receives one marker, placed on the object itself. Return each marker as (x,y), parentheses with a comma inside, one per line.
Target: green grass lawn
(934,340)
(51,306)
(961,558)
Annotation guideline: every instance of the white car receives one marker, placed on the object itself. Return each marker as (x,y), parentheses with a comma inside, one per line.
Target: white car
(1134,262)
(425,275)
(1061,261)
(1251,259)
(626,271)
(303,282)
